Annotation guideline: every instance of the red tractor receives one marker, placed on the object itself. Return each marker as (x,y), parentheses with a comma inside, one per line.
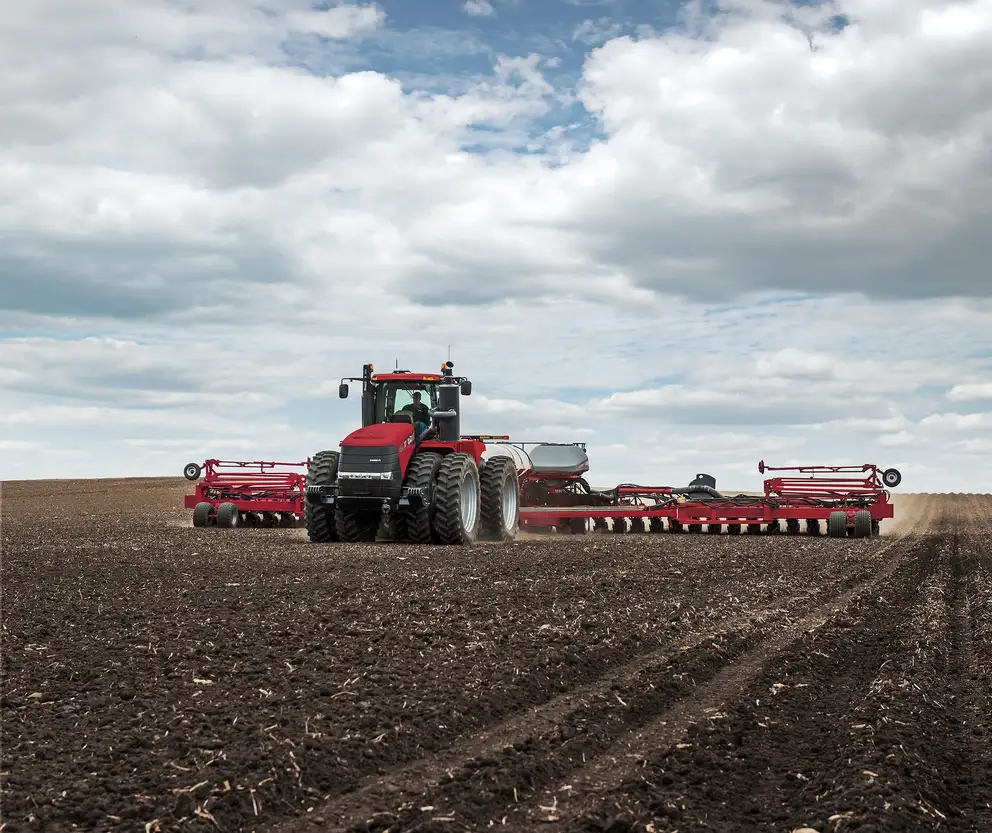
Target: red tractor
(409,465)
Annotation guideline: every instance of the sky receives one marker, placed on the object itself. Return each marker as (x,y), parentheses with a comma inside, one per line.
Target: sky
(692,235)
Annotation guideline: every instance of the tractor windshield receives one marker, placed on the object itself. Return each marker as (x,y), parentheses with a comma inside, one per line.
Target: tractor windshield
(393,397)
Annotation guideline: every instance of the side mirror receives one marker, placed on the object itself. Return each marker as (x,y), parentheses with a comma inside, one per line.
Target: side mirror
(343,390)
(466,387)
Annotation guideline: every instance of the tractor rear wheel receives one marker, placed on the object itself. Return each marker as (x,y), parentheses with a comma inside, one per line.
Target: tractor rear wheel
(499,489)
(356,527)
(862,524)
(413,525)
(837,525)
(323,471)
(456,500)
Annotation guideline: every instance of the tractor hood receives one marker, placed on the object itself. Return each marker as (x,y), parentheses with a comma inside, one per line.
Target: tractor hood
(396,434)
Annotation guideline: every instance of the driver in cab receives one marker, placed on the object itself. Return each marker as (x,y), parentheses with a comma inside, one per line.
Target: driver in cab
(420,412)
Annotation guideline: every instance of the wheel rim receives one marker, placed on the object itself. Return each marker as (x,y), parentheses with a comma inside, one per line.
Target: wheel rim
(509,498)
(469,502)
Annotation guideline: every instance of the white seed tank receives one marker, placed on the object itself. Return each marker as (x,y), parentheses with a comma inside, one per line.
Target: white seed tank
(545,457)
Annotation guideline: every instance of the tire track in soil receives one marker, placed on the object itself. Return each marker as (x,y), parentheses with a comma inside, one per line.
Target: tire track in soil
(477,776)
(606,777)
(972,659)
(870,739)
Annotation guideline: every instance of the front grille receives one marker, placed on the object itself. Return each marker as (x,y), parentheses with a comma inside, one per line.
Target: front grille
(369,471)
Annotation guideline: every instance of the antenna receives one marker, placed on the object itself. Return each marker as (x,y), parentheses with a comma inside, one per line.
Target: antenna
(397,365)
(449,352)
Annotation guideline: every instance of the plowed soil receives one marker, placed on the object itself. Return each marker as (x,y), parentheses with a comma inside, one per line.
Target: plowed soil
(158,677)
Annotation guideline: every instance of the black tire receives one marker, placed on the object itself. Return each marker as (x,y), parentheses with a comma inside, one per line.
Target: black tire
(414,525)
(201,514)
(837,525)
(862,524)
(714,529)
(228,516)
(577,526)
(792,526)
(656,525)
(356,527)
(600,525)
(323,471)
(457,471)
(620,526)
(812,527)
(192,471)
(500,494)
(891,478)
(733,529)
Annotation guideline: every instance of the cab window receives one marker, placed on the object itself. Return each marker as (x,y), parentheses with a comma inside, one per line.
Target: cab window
(393,399)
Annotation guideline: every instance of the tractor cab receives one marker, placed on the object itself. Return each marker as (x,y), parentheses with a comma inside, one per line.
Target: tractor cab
(389,397)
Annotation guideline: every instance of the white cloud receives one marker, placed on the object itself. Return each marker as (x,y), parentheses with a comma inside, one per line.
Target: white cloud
(337,21)
(478,8)
(970,392)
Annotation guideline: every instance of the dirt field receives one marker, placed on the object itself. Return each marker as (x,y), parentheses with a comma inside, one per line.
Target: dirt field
(157,677)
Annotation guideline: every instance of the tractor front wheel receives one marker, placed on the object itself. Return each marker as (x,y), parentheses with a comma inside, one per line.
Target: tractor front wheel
(323,471)
(356,527)
(499,489)
(456,500)
(413,525)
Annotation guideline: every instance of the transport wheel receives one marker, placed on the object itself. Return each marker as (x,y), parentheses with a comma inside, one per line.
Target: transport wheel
(228,515)
(414,525)
(319,518)
(891,478)
(500,490)
(837,525)
(456,502)
(192,471)
(862,524)
(201,513)
(356,527)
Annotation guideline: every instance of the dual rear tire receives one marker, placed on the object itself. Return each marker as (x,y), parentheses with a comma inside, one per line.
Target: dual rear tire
(463,503)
